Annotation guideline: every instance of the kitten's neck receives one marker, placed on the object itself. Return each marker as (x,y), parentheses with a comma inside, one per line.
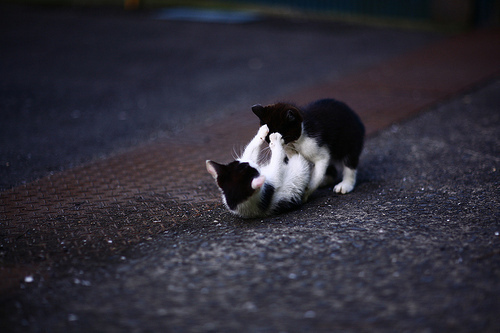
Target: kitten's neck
(296,146)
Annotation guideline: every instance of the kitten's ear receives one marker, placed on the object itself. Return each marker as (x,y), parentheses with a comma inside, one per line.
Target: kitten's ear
(257,182)
(258,110)
(214,168)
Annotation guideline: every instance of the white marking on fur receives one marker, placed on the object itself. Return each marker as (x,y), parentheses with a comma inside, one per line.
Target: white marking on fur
(348,181)
(251,152)
(319,156)
(288,179)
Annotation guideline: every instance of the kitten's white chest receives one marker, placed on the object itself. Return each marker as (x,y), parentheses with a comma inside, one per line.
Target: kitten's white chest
(310,149)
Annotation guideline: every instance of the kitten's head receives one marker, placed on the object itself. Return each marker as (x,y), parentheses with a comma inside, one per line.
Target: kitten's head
(237,180)
(283,118)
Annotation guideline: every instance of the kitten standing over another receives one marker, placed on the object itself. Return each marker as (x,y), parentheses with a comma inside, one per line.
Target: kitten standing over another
(250,189)
(326,132)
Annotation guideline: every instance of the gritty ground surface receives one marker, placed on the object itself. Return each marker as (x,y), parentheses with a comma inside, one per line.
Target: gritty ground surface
(415,247)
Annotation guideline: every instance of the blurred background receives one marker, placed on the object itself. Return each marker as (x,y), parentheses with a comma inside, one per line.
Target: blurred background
(426,13)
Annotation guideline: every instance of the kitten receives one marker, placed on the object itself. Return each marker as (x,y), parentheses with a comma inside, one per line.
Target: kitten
(253,190)
(327,133)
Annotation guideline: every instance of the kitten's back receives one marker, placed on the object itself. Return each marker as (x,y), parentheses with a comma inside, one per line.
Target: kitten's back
(334,124)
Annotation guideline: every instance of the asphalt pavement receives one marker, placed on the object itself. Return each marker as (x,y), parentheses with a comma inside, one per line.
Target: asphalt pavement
(415,247)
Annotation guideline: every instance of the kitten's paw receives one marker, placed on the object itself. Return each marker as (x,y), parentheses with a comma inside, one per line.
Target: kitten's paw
(344,187)
(263,132)
(275,138)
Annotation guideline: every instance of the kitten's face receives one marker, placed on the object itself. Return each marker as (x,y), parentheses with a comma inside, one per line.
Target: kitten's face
(285,119)
(236,180)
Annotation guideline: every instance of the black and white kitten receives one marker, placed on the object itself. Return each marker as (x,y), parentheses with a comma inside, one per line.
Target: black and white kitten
(326,132)
(250,189)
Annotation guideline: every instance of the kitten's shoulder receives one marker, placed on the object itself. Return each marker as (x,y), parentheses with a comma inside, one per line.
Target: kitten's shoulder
(327,106)
(330,112)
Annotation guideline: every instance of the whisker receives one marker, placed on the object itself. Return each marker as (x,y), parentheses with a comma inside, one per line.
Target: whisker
(235,153)
(265,155)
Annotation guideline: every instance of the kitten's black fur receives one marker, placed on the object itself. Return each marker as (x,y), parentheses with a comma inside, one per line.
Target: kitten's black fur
(235,178)
(326,132)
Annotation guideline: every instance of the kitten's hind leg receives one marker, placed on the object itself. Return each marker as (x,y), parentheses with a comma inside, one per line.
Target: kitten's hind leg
(330,176)
(317,175)
(348,181)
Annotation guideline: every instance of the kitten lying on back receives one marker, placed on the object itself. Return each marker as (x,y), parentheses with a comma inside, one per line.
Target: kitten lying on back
(253,190)
(327,133)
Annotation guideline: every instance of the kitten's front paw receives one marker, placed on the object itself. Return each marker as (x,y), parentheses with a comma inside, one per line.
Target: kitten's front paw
(344,187)
(275,138)
(263,132)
